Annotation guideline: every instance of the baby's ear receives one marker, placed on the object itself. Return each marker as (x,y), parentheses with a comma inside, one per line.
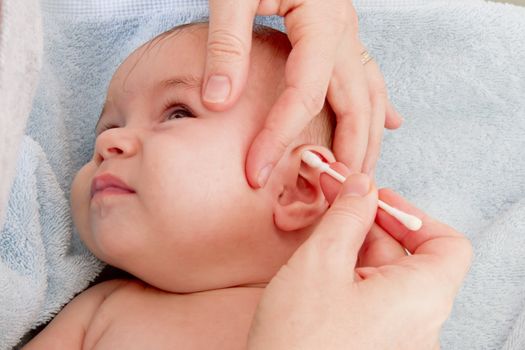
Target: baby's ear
(300,202)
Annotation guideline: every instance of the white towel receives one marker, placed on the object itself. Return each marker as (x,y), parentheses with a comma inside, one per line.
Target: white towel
(20,62)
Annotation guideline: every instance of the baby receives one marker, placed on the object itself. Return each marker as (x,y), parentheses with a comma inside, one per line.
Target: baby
(165,198)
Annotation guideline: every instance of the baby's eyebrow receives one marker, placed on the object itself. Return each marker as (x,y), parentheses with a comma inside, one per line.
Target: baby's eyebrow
(187,81)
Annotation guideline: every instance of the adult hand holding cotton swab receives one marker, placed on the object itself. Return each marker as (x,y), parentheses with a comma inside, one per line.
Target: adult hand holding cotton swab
(356,286)
(409,221)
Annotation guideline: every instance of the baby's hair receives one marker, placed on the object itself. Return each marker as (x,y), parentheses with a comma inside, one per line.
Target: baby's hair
(321,128)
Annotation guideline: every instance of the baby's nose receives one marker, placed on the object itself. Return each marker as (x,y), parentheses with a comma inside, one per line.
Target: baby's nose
(115,143)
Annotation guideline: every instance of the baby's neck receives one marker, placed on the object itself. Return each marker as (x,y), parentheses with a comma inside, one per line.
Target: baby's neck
(253,285)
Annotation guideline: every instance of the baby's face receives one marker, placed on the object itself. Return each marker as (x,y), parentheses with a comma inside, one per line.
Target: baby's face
(189,220)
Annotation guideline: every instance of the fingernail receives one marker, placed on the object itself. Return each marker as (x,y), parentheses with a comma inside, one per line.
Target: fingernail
(264,174)
(217,89)
(359,185)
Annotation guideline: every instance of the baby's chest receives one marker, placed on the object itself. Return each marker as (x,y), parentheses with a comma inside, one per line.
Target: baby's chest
(153,320)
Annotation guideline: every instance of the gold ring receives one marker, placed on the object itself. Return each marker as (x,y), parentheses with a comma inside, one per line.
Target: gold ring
(365,57)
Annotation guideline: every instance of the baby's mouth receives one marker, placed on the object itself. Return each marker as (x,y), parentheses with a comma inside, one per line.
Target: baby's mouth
(109,184)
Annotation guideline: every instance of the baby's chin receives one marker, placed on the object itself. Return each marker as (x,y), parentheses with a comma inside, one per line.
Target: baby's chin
(253,285)
(182,269)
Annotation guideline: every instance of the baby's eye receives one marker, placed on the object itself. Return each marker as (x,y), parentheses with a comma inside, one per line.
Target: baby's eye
(178,113)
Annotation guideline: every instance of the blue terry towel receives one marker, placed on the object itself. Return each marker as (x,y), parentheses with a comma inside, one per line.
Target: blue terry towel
(455,70)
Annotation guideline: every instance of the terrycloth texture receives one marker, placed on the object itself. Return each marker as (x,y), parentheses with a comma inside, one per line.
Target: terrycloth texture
(43,263)
(455,71)
(20,61)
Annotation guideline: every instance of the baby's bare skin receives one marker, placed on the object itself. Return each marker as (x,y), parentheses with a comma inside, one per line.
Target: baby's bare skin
(133,315)
(137,316)
(165,199)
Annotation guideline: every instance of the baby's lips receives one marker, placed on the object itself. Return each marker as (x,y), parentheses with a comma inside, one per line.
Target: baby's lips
(109,181)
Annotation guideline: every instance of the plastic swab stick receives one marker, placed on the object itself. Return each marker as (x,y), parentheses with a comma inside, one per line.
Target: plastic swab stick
(409,221)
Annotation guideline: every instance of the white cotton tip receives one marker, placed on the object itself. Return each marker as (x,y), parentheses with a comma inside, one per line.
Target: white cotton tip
(313,160)
(411,222)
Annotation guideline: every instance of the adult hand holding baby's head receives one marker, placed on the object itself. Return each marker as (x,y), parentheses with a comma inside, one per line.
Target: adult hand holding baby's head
(337,293)
(356,92)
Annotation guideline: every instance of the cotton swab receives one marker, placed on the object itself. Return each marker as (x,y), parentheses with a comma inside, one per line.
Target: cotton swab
(409,221)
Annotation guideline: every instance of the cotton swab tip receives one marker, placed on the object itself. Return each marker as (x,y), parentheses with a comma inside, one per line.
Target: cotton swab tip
(411,222)
(312,159)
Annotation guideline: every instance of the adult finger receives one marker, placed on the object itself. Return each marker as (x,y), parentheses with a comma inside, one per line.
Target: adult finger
(349,97)
(393,119)
(331,186)
(228,51)
(448,252)
(308,71)
(335,243)
(379,248)
(378,98)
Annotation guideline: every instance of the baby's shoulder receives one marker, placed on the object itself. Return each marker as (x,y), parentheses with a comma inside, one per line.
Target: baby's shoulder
(133,314)
(107,296)
(120,286)
(108,288)
(67,329)
(103,293)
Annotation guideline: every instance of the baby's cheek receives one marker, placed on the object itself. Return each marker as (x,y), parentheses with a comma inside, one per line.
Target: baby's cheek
(80,191)
(79,199)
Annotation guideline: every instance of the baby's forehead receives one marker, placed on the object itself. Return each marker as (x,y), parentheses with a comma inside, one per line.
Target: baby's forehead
(181,49)
(182,52)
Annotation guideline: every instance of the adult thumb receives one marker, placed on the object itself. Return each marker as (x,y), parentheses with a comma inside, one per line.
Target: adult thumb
(228,51)
(341,232)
